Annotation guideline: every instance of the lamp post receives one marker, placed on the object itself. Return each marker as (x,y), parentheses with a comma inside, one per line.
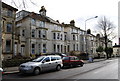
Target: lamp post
(86,33)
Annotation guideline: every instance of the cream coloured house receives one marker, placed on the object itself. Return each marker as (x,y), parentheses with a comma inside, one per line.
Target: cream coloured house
(38,34)
(8,30)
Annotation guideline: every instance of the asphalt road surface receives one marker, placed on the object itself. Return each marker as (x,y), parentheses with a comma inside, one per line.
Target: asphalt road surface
(105,70)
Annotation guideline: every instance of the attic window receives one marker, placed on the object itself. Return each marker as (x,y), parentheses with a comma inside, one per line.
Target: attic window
(42,24)
(9,13)
(33,21)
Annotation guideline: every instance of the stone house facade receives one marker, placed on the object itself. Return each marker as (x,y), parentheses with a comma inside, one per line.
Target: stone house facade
(29,34)
(8,30)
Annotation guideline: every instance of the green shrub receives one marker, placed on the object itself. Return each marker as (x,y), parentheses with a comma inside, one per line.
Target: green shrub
(13,62)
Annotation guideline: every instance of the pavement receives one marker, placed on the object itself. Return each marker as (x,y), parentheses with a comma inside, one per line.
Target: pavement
(10,70)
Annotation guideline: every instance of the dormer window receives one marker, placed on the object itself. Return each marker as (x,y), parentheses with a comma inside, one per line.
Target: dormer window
(33,21)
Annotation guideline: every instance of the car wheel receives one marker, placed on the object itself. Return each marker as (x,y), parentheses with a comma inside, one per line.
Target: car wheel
(71,65)
(81,64)
(58,68)
(36,71)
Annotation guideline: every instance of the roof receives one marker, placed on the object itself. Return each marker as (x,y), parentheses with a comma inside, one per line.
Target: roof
(40,17)
(4,5)
(116,46)
(69,25)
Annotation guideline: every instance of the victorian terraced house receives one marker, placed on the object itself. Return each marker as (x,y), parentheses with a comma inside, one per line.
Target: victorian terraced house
(8,30)
(38,34)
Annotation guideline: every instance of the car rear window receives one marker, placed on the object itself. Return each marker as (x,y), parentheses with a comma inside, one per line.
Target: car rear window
(65,58)
(58,58)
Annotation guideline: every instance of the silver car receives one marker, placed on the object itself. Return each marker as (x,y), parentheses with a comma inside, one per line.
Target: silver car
(42,63)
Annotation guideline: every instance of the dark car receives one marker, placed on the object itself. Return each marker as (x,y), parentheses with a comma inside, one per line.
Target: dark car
(72,61)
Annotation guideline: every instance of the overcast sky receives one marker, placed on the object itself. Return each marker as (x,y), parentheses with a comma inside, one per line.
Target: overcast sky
(79,10)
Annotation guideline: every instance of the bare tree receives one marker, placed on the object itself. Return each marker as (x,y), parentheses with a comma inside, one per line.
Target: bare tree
(106,29)
(23,4)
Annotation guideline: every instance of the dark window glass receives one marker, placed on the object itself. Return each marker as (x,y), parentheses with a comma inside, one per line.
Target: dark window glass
(58,58)
(23,32)
(39,34)
(8,45)
(73,37)
(33,33)
(9,27)
(33,48)
(65,37)
(54,35)
(44,48)
(72,58)
(53,58)
(10,13)
(47,59)
(65,58)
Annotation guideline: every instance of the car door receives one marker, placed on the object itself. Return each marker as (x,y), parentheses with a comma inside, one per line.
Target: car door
(46,64)
(77,61)
(72,61)
(54,62)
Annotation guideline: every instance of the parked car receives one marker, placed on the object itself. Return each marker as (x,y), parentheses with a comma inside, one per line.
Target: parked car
(1,71)
(72,61)
(42,63)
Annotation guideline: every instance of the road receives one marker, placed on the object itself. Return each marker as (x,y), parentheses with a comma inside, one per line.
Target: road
(107,69)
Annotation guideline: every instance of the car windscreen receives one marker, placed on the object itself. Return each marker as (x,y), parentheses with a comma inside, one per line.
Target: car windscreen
(65,58)
(39,59)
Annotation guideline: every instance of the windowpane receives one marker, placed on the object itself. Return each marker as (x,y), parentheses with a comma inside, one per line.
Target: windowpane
(42,24)
(33,48)
(61,36)
(33,21)
(33,33)
(54,35)
(73,37)
(58,36)
(8,45)
(47,59)
(73,47)
(9,27)
(23,32)
(65,37)
(44,34)
(10,13)
(44,48)
(39,34)
(53,58)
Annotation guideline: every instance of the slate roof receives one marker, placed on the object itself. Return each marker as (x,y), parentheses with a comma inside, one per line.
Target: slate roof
(41,17)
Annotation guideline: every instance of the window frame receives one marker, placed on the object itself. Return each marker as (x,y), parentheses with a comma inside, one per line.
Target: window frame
(9,27)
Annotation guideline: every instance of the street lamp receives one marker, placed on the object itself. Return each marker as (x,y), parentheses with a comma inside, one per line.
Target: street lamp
(86,32)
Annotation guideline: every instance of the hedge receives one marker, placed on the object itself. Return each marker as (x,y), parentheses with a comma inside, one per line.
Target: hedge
(13,62)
